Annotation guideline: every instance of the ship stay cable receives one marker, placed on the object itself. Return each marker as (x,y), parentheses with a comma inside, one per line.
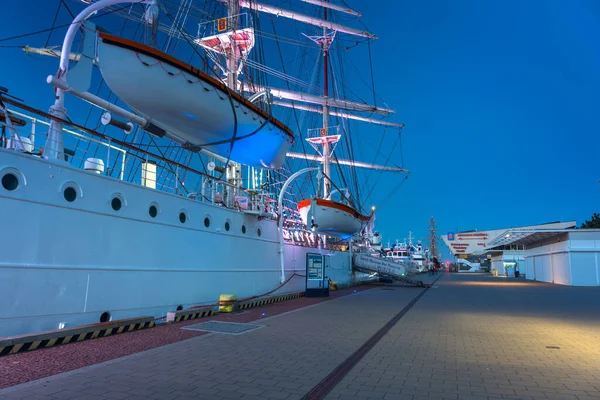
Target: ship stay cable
(115,10)
(235,121)
(381,141)
(347,137)
(294,112)
(251,63)
(53,23)
(59,27)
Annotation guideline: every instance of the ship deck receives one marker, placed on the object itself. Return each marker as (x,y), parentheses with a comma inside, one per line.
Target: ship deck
(467,337)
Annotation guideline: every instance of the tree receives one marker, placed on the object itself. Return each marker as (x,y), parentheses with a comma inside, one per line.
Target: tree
(593,223)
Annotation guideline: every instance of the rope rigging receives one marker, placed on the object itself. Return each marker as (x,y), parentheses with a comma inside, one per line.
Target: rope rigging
(256,73)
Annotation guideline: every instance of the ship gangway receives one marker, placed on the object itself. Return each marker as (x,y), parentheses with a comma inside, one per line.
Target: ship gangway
(364,262)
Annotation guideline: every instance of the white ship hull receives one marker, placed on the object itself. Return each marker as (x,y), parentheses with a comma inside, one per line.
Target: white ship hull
(189,107)
(68,262)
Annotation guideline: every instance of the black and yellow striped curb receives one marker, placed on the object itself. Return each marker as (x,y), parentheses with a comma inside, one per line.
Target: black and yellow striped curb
(189,314)
(44,340)
(269,300)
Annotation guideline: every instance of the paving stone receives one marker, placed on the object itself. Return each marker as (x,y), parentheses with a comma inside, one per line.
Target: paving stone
(474,337)
(459,349)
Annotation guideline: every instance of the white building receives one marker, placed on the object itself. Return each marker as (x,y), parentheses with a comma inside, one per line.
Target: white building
(469,246)
(506,262)
(563,256)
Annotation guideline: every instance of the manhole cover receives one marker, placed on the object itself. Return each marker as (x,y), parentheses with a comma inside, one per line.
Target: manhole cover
(231,328)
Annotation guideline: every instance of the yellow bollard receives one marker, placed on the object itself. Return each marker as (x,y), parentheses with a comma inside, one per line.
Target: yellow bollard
(226,302)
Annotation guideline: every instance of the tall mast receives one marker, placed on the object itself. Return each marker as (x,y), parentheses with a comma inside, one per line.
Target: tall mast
(326,145)
(233,15)
(432,238)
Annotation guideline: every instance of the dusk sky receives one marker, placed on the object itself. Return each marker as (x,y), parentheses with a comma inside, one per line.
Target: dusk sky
(501,101)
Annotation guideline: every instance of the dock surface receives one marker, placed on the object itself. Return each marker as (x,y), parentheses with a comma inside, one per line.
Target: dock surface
(466,337)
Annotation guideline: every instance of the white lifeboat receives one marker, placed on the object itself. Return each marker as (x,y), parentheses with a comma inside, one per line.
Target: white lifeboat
(192,107)
(331,218)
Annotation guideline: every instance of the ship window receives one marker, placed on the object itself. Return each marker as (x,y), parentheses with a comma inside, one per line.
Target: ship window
(244,229)
(206,222)
(116,203)
(70,194)
(105,317)
(10,181)
(227,226)
(182,217)
(258,232)
(153,211)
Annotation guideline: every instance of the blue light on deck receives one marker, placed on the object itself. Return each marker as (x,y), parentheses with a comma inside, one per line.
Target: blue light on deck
(263,314)
(191,116)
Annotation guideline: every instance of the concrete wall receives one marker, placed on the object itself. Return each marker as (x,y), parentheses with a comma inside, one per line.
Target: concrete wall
(498,264)
(585,258)
(569,259)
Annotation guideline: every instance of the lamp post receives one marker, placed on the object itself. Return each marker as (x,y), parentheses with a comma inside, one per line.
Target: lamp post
(280,208)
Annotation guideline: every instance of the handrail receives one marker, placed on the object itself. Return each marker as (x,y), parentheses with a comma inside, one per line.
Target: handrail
(114,140)
(257,200)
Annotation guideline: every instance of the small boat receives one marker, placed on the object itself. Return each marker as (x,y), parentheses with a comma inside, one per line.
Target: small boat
(331,218)
(194,108)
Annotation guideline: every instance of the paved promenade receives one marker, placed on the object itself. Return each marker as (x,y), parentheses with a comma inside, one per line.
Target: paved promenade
(468,337)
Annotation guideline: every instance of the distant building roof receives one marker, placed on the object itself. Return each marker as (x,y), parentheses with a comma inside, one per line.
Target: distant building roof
(479,242)
(525,237)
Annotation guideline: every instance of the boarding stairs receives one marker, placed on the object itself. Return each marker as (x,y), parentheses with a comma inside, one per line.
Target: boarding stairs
(365,262)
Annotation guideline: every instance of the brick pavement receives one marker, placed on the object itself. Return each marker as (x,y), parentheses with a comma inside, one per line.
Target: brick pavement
(478,337)
(283,360)
(472,337)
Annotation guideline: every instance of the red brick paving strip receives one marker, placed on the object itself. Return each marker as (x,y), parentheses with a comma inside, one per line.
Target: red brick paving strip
(25,367)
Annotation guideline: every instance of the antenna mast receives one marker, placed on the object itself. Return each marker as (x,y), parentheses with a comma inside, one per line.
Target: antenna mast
(324,139)
(326,151)
(432,239)
(233,15)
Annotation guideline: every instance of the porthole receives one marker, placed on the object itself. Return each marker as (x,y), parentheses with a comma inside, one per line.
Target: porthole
(105,317)
(116,203)
(206,222)
(70,194)
(227,226)
(10,181)
(258,232)
(244,229)
(182,217)
(153,211)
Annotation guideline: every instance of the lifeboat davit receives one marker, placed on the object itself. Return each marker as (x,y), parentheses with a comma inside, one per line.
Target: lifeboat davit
(192,107)
(331,218)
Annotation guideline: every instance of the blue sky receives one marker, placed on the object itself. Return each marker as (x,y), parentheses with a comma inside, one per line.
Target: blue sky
(500,100)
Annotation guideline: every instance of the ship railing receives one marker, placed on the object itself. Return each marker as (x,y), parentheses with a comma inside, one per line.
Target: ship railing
(29,132)
(104,155)
(235,197)
(302,237)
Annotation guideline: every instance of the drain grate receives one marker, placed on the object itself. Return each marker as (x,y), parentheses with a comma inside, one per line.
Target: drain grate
(230,328)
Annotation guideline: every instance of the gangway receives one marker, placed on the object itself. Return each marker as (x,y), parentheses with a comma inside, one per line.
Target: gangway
(384,268)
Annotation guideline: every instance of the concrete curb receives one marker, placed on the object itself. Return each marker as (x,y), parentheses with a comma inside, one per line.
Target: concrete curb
(189,314)
(47,339)
(243,305)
